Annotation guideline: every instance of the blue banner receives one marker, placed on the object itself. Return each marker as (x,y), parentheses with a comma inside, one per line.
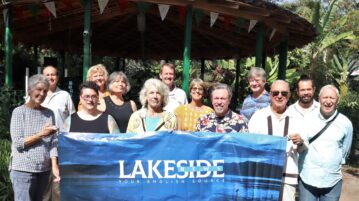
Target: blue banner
(171,166)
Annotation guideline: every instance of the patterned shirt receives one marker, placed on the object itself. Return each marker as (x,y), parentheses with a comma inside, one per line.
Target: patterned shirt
(251,105)
(187,116)
(26,122)
(231,122)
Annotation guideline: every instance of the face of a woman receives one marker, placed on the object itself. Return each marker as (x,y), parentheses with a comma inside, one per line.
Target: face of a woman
(119,86)
(197,92)
(98,78)
(89,99)
(154,98)
(38,93)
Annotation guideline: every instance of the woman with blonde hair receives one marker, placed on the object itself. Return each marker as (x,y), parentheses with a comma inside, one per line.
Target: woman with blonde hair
(152,117)
(188,114)
(99,75)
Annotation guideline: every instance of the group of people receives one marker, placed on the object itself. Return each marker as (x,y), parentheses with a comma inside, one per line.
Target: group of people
(319,137)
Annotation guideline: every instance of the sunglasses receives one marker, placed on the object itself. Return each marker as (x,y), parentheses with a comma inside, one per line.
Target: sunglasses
(276,93)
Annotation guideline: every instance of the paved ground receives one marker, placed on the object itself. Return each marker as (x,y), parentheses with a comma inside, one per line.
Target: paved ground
(350,191)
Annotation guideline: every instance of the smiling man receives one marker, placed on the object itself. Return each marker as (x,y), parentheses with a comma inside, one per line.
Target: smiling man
(176,96)
(222,120)
(277,121)
(328,138)
(306,103)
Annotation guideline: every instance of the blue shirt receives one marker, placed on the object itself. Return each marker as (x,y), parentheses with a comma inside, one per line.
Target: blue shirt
(251,105)
(320,162)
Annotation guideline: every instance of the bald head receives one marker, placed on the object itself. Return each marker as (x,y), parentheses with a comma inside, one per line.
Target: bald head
(279,95)
(52,75)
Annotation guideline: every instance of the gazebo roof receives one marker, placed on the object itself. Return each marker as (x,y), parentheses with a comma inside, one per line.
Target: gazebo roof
(115,33)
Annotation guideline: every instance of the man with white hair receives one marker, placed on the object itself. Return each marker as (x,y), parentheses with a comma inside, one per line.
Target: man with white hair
(328,138)
(277,121)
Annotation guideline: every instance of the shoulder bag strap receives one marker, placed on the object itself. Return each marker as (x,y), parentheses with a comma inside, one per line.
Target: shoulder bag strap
(323,129)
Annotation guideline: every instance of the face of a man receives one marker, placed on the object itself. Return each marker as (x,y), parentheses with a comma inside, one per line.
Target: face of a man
(279,94)
(256,84)
(305,91)
(51,74)
(167,76)
(220,102)
(328,100)
(89,98)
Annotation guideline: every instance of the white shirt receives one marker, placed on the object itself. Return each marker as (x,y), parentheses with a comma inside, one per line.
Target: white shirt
(176,98)
(61,104)
(297,111)
(320,163)
(259,124)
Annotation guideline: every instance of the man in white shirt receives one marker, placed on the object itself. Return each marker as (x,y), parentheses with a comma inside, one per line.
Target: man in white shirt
(305,103)
(328,136)
(275,120)
(60,103)
(176,96)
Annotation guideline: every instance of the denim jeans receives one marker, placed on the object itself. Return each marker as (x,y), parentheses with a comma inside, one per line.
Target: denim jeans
(29,186)
(311,193)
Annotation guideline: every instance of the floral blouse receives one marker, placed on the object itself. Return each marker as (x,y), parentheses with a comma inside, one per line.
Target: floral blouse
(231,122)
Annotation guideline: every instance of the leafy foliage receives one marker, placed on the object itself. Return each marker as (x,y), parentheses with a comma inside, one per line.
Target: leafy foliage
(5,183)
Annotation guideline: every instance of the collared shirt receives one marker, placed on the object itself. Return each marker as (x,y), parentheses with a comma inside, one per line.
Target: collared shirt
(26,122)
(259,125)
(320,164)
(231,122)
(176,97)
(251,105)
(297,110)
(61,104)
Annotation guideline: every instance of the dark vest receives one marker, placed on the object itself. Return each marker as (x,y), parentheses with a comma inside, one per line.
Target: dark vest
(98,125)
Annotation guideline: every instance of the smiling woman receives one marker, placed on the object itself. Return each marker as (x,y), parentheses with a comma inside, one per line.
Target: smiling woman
(34,141)
(187,115)
(152,117)
(90,119)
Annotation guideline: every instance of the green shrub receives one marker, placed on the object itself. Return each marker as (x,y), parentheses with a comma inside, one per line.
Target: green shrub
(5,183)
(9,100)
(349,106)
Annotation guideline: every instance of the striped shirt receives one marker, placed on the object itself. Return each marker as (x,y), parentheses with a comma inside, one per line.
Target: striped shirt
(26,122)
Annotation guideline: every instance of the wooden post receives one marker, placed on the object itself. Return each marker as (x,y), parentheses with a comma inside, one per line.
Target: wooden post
(259,44)
(187,50)
(283,52)
(87,39)
(8,47)
(36,56)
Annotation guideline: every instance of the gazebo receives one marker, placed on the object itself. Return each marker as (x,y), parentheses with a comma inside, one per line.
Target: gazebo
(156,29)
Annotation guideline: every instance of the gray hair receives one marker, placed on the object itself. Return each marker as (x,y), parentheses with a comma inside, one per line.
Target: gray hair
(256,71)
(222,86)
(115,76)
(160,86)
(329,86)
(280,81)
(36,79)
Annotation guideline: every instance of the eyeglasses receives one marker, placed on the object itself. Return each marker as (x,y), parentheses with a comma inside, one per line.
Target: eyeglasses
(197,89)
(88,97)
(276,93)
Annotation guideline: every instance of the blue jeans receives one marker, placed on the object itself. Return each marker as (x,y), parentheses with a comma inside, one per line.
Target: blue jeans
(311,193)
(29,186)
